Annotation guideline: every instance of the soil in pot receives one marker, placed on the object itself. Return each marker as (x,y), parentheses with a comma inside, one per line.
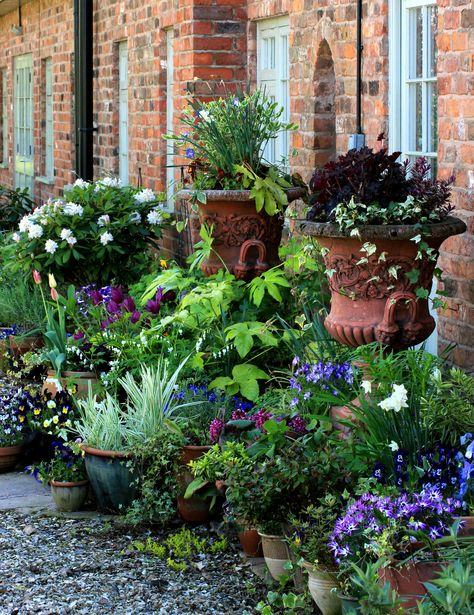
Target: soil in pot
(320,585)
(69,497)
(113,482)
(9,457)
(194,509)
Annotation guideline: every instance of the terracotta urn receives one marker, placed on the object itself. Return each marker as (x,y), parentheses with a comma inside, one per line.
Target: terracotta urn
(194,509)
(374,296)
(246,242)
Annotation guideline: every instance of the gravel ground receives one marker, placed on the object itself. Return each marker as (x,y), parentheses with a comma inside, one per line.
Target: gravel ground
(58,566)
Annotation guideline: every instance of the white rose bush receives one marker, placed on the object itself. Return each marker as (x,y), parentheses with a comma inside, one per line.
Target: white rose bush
(97,232)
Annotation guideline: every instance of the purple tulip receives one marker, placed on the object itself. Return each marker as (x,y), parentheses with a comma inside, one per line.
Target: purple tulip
(96,297)
(112,307)
(135,317)
(79,335)
(153,305)
(128,305)
(169,296)
(117,294)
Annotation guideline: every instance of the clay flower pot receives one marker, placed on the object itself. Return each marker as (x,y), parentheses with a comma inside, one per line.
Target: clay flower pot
(112,480)
(276,554)
(80,379)
(194,509)
(368,302)
(320,585)
(245,240)
(9,457)
(69,496)
(250,542)
(20,345)
(408,580)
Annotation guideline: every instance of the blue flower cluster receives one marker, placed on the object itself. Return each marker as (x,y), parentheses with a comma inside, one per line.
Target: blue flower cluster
(329,377)
(5,332)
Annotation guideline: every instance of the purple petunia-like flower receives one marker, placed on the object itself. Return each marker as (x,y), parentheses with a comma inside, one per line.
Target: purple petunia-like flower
(190,153)
(215,429)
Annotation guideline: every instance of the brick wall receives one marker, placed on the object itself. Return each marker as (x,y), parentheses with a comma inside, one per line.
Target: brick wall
(456,155)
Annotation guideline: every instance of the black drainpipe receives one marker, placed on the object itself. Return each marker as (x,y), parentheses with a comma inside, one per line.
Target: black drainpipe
(83,79)
(358,140)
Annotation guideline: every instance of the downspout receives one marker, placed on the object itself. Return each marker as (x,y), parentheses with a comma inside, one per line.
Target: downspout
(83,81)
(358,140)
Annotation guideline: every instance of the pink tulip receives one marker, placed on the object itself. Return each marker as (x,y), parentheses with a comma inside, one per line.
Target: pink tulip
(54,294)
(36,276)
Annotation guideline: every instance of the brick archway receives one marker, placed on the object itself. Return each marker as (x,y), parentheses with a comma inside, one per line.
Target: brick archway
(324,105)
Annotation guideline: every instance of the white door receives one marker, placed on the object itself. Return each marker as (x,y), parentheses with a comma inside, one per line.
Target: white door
(272,76)
(123,112)
(23,122)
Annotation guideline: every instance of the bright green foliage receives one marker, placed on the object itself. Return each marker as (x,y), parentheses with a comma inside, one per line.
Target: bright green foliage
(244,381)
(271,282)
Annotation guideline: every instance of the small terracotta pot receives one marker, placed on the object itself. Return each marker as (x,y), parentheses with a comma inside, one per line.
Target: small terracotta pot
(343,413)
(20,345)
(10,456)
(467,527)
(80,379)
(194,509)
(251,543)
(69,496)
(408,580)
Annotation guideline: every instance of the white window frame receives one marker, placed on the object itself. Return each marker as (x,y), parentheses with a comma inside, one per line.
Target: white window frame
(273,67)
(4,85)
(48,115)
(400,104)
(123,111)
(170,169)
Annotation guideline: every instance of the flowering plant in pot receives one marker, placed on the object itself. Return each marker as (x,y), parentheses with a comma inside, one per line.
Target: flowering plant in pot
(236,192)
(66,473)
(98,231)
(381,224)
(13,428)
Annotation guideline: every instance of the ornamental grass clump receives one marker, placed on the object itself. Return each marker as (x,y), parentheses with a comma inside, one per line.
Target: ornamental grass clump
(370,187)
(97,232)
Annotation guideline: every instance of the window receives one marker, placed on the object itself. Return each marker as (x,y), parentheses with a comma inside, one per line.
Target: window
(48,116)
(4,110)
(413,99)
(272,76)
(413,91)
(170,179)
(123,111)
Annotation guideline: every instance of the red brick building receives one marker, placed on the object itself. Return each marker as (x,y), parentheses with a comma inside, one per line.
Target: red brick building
(417,84)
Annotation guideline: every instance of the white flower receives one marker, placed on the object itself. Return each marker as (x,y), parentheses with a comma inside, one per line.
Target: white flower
(106,238)
(204,115)
(25,224)
(81,183)
(145,196)
(35,231)
(73,209)
(50,246)
(66,233)
(135,217)
(107,182)
(103,220)
(393,446)
(51,404)
(366,385)
(155,216)
(16,237)
(71,240)
(43,221)
(397,400)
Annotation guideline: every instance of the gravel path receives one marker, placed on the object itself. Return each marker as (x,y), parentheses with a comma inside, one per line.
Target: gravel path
(55,566)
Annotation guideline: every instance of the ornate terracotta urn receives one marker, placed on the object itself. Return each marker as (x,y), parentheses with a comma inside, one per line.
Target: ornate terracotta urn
(245,241)
(374,293)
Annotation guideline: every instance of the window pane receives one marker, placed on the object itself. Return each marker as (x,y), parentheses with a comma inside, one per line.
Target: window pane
(433,117)
(416,119)
(433,50)
(416,43)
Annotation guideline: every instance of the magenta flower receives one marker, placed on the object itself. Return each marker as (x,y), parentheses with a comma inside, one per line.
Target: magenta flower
(79,335)
(112,307)
(153,305)
(215,429)
(117,294)
(128,305)
(96,297)
(135,317)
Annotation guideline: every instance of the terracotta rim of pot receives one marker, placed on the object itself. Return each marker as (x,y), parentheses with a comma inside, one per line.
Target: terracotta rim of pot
(79,483)
(89,375)
(449,226)
(11,450)
(97,452)
(235,195)
(196,447)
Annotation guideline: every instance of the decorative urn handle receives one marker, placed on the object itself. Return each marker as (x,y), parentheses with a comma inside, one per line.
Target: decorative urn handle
(243,267)
(390,332)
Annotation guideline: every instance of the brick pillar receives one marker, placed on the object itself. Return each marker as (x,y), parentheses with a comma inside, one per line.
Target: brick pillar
(456,155)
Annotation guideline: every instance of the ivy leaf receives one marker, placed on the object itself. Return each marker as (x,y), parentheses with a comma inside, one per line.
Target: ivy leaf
(422,293)
(413,275)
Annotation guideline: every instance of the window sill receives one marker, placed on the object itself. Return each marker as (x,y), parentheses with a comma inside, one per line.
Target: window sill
(48,181)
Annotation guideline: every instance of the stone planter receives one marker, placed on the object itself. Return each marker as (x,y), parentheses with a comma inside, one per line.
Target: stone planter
(194,509)
(245,241)
(69,497)
(113,482)
(276,554)
(368,303)
(9,457)
(320,585)
(349,605)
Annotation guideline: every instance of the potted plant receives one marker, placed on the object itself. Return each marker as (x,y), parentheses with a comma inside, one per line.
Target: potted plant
(97,232)
(389,526)
(110,430)
(238,199)
(66,473)
(381,224)
(312,528)
(13,428)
